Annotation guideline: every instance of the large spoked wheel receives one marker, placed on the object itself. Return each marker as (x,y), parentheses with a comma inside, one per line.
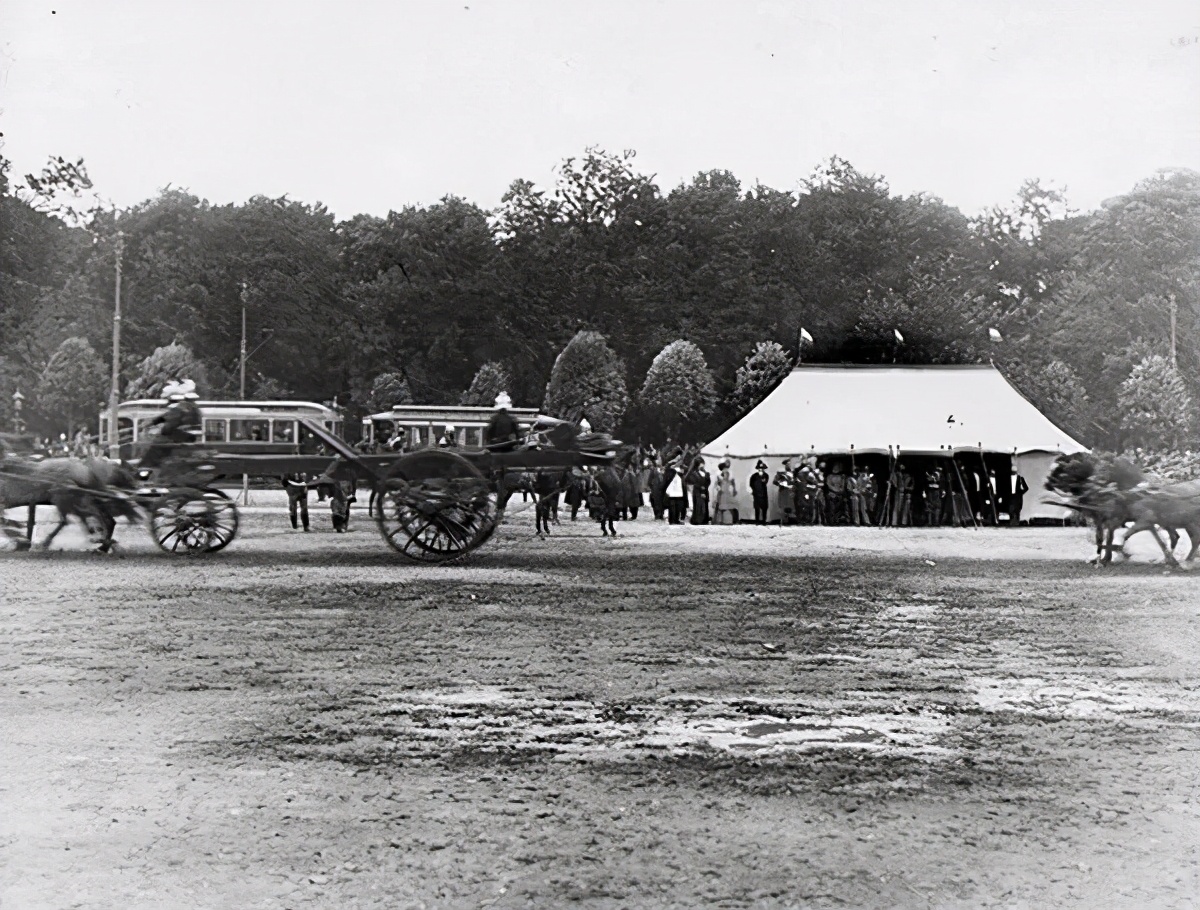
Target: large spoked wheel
(436,506)
(193,521)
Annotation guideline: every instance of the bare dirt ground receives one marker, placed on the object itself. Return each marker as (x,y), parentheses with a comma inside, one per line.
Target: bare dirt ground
(683,717)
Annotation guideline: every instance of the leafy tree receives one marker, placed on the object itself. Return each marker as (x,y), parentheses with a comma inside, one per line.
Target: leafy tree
(268,388)
(490,380)
(1055,390)
(679,387)
(1156,409)
(763,370)
(72,384)
(588,380)
(167,364)
(387,391)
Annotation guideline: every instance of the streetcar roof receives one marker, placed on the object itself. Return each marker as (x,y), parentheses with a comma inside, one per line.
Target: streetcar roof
(437,414)
(239,408)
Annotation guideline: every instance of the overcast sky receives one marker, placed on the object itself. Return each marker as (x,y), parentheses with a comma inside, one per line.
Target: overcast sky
(368,107)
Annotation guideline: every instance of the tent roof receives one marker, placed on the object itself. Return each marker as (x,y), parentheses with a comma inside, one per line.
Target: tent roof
(917,409)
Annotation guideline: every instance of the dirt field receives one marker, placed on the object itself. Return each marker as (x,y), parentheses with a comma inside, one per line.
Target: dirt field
(683,717)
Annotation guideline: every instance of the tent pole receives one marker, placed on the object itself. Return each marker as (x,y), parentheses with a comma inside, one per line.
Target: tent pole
(963,486)
(882,518)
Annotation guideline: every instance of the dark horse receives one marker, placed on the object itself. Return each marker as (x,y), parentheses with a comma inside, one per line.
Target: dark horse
(87,489)
(1114,492)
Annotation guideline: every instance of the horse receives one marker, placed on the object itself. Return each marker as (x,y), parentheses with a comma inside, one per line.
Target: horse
(1114,492)
(609,482)
(80,488)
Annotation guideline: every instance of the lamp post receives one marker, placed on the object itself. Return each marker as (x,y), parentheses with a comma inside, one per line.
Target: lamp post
(242,349)
(18,423)
(114,439)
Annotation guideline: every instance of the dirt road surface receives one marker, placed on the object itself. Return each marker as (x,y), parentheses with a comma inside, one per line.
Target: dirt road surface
(681,717)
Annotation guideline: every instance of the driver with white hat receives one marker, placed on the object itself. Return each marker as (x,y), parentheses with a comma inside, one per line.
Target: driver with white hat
(179,424)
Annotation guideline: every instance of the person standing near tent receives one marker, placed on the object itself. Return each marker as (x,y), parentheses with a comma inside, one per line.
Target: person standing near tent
(835,496)
(808,485)
(785,484)
(759,484)
(1017,501)
(700,481)
(867,494)
(934,495)
(726,496)
(675,491)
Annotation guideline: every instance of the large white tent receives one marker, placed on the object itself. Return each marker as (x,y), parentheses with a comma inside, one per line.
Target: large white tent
(894,410)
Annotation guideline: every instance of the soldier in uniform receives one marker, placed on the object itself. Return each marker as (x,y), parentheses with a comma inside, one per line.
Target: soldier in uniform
(821,504)
(807,487)
(868,494)
(934,496)
(835,495)
(902,513)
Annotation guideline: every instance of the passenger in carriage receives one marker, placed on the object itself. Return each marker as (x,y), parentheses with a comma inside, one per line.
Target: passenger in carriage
(502,434)
(180,423)
(449,438)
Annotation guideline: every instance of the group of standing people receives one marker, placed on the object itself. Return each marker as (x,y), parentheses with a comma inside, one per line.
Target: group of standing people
(810,493)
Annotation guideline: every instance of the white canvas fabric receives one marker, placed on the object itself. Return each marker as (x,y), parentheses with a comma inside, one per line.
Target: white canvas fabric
(874,410)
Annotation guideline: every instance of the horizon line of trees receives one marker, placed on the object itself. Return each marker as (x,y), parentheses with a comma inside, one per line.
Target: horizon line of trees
(652,314)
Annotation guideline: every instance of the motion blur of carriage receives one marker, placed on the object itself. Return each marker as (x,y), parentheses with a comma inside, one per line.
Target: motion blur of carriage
(437,503)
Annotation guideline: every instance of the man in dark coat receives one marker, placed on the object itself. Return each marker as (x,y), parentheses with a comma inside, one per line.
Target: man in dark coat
(297,494)
(658,491)
(935,496)
(785,483)
(502,432)
(701,483)
(808,484)
(760,482)
(180,423)
(1017,500)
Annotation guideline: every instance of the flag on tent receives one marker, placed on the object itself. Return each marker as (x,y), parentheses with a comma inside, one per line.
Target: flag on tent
(899,337)
(995,335)
(804,336)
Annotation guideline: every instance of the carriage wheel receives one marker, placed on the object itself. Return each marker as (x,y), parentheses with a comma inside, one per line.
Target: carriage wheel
(436,506)
(194,521)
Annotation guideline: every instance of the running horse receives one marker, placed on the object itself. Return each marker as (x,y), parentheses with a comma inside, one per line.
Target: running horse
(89,489)
(1114,492)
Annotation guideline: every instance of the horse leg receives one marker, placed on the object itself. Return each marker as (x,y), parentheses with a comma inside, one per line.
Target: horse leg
(30,520)
(1167,554)
(62,523)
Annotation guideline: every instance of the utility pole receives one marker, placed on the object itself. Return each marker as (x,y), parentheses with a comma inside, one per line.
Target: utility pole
(242,357)
(1174,307)
(114,437)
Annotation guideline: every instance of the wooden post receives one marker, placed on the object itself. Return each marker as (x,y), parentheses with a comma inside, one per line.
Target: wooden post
(988,480)
(963,486)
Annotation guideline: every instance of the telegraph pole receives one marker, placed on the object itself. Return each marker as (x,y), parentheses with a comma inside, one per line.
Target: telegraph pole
(114,438)
(242,356)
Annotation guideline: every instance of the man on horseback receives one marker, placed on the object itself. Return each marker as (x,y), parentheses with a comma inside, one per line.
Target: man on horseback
(180,423)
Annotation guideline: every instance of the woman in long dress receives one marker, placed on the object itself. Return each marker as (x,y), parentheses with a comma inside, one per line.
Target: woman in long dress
(726,496)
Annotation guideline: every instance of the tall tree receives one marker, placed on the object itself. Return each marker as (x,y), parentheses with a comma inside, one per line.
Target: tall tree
(766,367)
(167,364)
(490,380)
(588,380)
(387,391)
(72,385)
(679,387)
(1156,409)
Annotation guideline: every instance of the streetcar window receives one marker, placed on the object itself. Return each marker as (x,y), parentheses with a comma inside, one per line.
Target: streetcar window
(249,430)
(284,430)
(214,431)
(414,437)
(474,436)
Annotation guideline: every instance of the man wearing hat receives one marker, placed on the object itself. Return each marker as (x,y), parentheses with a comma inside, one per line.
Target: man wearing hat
(502,432)
(179,424)
(449,438)
(759,482)
(808,485)
(675,490)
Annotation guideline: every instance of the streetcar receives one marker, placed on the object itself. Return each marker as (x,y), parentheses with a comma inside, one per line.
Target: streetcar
(230,427)
(423,426)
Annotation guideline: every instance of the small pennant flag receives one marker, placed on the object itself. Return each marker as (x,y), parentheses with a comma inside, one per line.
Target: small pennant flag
(995,335)
(899,337)
(804,336)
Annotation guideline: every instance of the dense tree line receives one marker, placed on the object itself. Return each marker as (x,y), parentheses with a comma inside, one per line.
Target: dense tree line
(652,311)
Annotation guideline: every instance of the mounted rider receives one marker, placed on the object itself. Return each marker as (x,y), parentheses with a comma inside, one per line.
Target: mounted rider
(180,423)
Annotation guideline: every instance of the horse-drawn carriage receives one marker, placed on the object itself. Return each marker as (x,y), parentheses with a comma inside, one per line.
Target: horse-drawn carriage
(434,505)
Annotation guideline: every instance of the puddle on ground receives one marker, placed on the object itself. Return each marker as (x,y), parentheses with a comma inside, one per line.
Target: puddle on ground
(490,719)
(1079,697)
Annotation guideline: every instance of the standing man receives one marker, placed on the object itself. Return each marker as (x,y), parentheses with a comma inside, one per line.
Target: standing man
(759,481)
(675,490)
(835,495)
(807,486)
(934,496)
(1016,502)
(297,493)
